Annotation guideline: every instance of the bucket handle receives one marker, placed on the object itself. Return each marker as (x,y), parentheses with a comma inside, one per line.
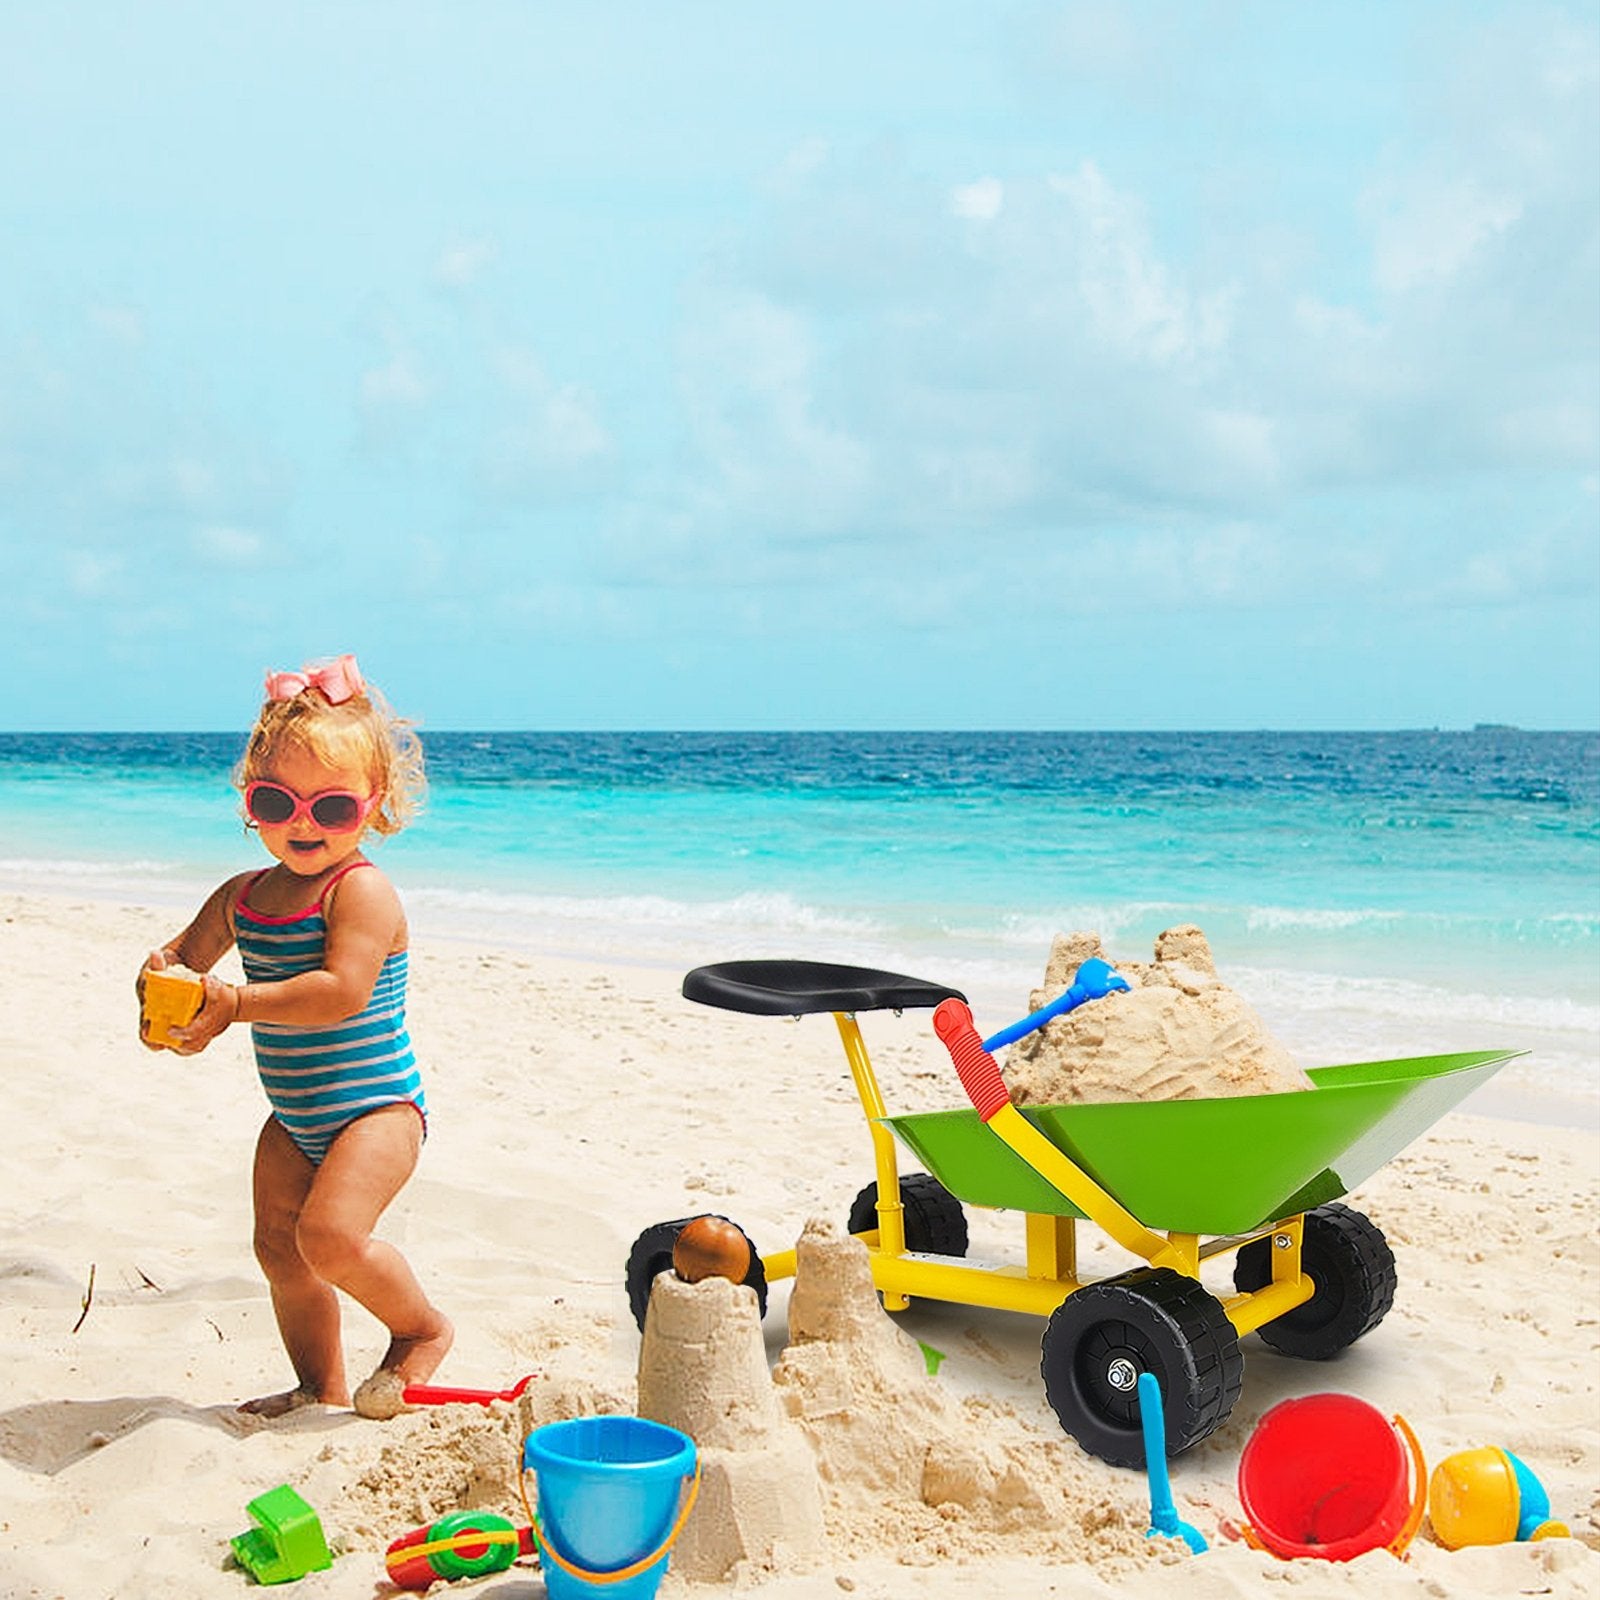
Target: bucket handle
(1245,1534)
(1398,1545)
(689,1492)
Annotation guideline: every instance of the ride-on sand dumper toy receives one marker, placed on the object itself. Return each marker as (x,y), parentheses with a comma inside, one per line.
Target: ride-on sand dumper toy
(1177,1183)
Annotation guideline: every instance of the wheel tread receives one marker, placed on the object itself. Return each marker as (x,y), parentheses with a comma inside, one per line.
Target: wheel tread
(1361,1265)
(935,1221)
(1210,1362)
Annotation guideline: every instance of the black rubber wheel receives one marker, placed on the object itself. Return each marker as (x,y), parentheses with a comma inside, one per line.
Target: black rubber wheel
(652,1254)
(1353,1268)
(935,1223)
(1100,1338)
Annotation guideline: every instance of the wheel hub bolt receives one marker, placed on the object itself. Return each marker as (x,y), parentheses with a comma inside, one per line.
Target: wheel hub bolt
(1122,1374)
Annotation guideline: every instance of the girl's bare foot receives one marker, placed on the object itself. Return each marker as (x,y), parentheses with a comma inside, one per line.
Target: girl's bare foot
(296,1399)
(410,1360)
(381,1396)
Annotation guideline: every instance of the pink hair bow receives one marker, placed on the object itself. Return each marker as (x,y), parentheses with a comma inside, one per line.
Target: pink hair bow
(339,680)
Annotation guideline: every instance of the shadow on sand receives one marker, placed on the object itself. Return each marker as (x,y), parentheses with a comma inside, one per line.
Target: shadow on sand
(53,1434)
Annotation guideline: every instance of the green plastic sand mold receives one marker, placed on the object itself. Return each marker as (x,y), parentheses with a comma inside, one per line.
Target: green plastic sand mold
(286,1542)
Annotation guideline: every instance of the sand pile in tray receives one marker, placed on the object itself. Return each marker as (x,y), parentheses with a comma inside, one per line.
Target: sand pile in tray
(908,1467)
(703,1370)
(1179,1033)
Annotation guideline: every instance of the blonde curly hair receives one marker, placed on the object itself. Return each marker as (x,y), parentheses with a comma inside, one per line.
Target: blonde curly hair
(363,732)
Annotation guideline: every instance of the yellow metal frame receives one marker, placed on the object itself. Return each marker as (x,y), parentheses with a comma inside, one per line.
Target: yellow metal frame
(1049,1272)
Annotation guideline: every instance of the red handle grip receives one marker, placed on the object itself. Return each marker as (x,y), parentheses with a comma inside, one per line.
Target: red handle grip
(978,1070)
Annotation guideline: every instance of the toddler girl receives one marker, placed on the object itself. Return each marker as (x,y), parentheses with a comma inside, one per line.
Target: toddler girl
(323,940)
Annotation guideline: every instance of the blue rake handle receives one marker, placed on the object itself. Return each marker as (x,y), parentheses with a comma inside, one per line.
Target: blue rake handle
(1164,1518)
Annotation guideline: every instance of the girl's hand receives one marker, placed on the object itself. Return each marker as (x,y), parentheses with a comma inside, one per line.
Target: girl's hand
(154,962)
(198,947)
(217,1011)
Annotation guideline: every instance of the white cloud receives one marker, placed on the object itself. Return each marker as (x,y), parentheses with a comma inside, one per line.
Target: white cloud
(805,158)
(977,479)
(1226,565)
(554,440)
(1137,303)
(124,324)
(397,384)
(1526,563)
(1428,232)
(1571,63)
(1089,356)
(1102,38)
(464,262)
(1486,576)
(569,426)
(179,482)
(194,482)
(1245,443)
(751,384)
(1553,430)
(1059,372)
(565,609)
(224,545)
(978,202)
(90,574)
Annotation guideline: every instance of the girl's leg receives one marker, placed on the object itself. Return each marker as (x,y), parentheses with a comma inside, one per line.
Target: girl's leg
(306,1308)
(365,1168)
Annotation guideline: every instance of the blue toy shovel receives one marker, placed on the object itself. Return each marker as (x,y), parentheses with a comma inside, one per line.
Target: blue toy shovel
(1165,1523)
(1094,981)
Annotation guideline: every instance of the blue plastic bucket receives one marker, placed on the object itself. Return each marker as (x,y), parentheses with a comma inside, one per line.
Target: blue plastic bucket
(610,1489)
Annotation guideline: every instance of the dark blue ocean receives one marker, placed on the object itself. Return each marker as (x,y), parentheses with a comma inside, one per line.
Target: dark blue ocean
(1371,893)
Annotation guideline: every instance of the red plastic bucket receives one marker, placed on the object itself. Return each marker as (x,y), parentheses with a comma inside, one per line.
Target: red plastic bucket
(1330,1476)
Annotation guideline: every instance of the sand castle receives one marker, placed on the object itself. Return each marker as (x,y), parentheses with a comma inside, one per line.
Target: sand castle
(907,1464)
(1179,1033)
(848,1445)
(703,1370)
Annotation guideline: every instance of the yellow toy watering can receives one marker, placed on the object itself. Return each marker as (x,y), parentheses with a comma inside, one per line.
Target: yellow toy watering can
(1488,1496)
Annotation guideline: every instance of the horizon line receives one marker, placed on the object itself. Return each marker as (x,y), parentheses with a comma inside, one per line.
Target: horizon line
(701,732)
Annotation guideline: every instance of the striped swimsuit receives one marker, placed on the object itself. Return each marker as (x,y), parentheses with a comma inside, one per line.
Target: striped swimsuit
(320,1080)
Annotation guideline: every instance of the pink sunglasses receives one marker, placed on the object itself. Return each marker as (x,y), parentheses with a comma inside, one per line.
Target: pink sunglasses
(333,810)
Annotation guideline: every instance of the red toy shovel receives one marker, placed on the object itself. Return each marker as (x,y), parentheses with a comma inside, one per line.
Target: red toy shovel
(427,1394)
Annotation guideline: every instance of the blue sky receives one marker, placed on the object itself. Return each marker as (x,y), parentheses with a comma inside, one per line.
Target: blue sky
(718,365)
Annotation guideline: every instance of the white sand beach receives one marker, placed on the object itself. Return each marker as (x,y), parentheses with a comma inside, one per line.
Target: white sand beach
(570,1107)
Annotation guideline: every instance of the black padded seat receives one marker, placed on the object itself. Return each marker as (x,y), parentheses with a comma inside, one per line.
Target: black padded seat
(793,988)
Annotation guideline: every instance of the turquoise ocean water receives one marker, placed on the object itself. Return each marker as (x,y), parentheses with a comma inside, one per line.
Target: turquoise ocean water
(1373,894)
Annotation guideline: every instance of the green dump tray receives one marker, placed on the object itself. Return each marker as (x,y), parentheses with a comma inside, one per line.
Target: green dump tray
(1209,1166)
